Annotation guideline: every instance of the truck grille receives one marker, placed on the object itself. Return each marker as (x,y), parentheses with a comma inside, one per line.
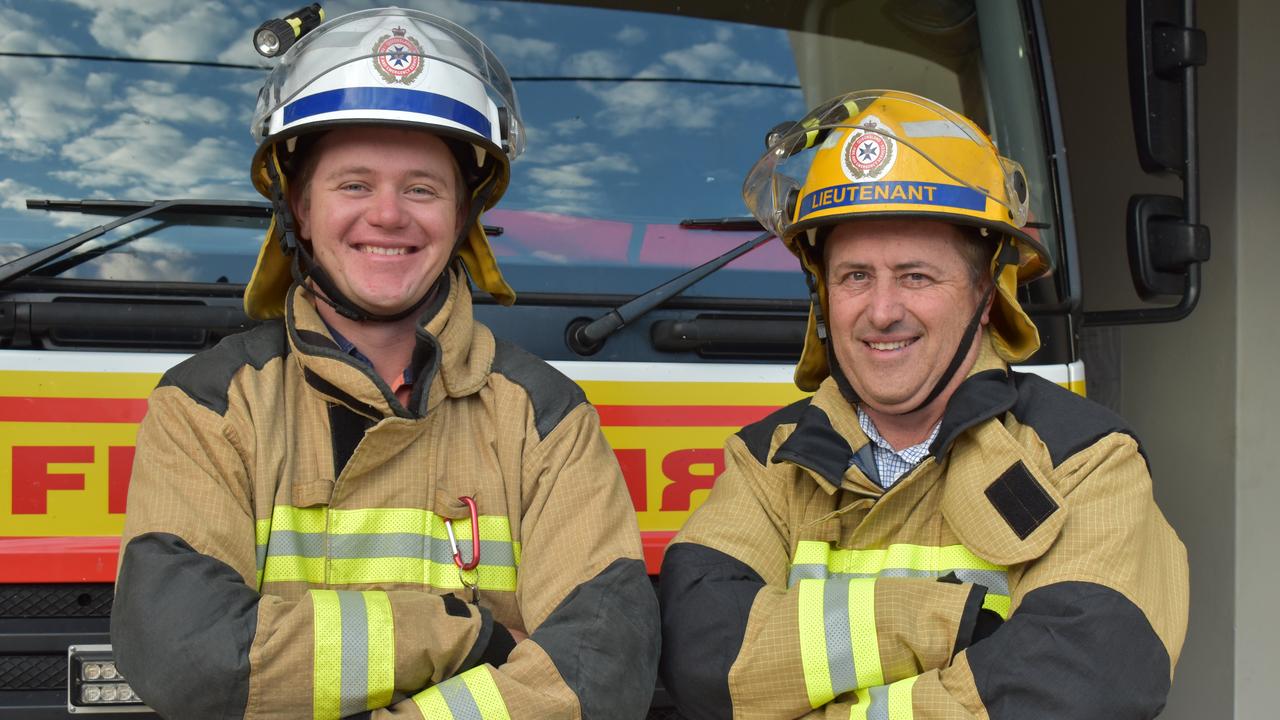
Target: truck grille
(33,672)
(55,600)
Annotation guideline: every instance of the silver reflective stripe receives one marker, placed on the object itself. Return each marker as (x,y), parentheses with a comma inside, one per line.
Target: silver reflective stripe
(835,616)
(937,128)
(879,708)
(995,581)
(355,653)
(287,543)
(458,697)
(260,557)
(494,553)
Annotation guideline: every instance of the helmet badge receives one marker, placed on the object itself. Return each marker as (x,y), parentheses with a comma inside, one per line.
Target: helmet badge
(398,57)
(867,154)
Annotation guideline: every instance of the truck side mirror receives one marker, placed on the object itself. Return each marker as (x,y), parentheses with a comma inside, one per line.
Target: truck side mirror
(1166,241)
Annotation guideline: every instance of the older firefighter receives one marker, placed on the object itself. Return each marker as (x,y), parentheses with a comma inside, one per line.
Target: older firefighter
(361,506)
(931,534)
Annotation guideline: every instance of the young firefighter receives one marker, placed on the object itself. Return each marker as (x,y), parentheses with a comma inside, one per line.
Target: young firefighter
(931,535)
(363,505)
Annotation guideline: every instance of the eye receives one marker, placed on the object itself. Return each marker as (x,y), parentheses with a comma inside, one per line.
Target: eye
(916,279)
(423,191)
(353,186)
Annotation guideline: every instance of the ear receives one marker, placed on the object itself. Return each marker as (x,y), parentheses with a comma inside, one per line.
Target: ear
(300,204)
(986,311)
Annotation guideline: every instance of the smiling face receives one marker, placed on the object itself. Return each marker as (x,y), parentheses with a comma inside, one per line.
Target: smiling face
(382,209)
(901,293)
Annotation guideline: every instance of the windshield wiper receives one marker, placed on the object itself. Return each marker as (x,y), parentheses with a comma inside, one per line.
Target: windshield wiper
(130,211)
(587,337)
(212,212)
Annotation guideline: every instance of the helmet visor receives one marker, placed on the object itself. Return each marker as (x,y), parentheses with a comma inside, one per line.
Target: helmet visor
(883,151)
(459,77)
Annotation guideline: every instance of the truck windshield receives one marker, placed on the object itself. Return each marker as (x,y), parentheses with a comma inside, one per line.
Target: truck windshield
(639,115)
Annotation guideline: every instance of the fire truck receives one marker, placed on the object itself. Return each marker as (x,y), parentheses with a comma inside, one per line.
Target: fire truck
(623,233)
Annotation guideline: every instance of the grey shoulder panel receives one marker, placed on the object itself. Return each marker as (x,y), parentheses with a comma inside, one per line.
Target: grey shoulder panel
(758,436)
(1065,422)
(1073,651)
(181,628)
(206,377)
(604,641)
(706,598)
(552,394)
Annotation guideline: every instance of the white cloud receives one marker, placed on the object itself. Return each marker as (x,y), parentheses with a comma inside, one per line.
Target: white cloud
(43,103)
(162,28)
(570,181)
(139,264)
(138,157)
(631,35)
(159,100)
(16,193)
(594,63)
(12,251)
(523,56)
(20,32)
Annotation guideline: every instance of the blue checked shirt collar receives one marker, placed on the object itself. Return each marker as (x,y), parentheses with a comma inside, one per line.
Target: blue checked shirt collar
(893,464)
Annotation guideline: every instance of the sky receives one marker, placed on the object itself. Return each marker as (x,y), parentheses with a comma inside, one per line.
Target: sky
(635,152)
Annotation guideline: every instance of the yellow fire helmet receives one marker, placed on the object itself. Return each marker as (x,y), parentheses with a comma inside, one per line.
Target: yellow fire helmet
(886,153)
(385,66)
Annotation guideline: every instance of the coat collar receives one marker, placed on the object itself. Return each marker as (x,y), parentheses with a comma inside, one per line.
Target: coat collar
(452,355)
(827,439)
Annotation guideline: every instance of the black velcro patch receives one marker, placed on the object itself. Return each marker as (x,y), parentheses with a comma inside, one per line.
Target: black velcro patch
(455,607)
(1020,499)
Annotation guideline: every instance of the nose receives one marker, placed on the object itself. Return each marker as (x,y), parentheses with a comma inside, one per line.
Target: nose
(386,210)
(885,305)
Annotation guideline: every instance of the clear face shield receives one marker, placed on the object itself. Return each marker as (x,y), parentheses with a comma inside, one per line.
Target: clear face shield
(344,69)
(880,152)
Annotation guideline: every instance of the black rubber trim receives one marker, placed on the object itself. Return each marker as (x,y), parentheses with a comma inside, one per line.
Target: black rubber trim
(1072,651)
(321,340)
(206,377)
(501,643)
(455,607)
(1064,421)
(603,639)
(706,598)
(324,386)
(816,445)
(758,436)
(969,617)
(346,428)
(1020,500)
(182,627)
(980,397)
(552,394)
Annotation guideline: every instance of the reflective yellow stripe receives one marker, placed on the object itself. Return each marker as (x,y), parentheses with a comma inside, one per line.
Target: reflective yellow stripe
(862,632)
(818,560)
(916,557)
(354,654)
(885,702)
(473,695)
(327,671)
(813,643)
(1000,604)
(323,546)
(900,705)
(486,694)
(382,649)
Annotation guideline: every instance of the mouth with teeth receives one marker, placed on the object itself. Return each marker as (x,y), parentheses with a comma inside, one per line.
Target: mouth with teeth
(889,346)
(376,250)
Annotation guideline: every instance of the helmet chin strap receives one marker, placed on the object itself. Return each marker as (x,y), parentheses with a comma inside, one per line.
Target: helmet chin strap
(1006,254)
